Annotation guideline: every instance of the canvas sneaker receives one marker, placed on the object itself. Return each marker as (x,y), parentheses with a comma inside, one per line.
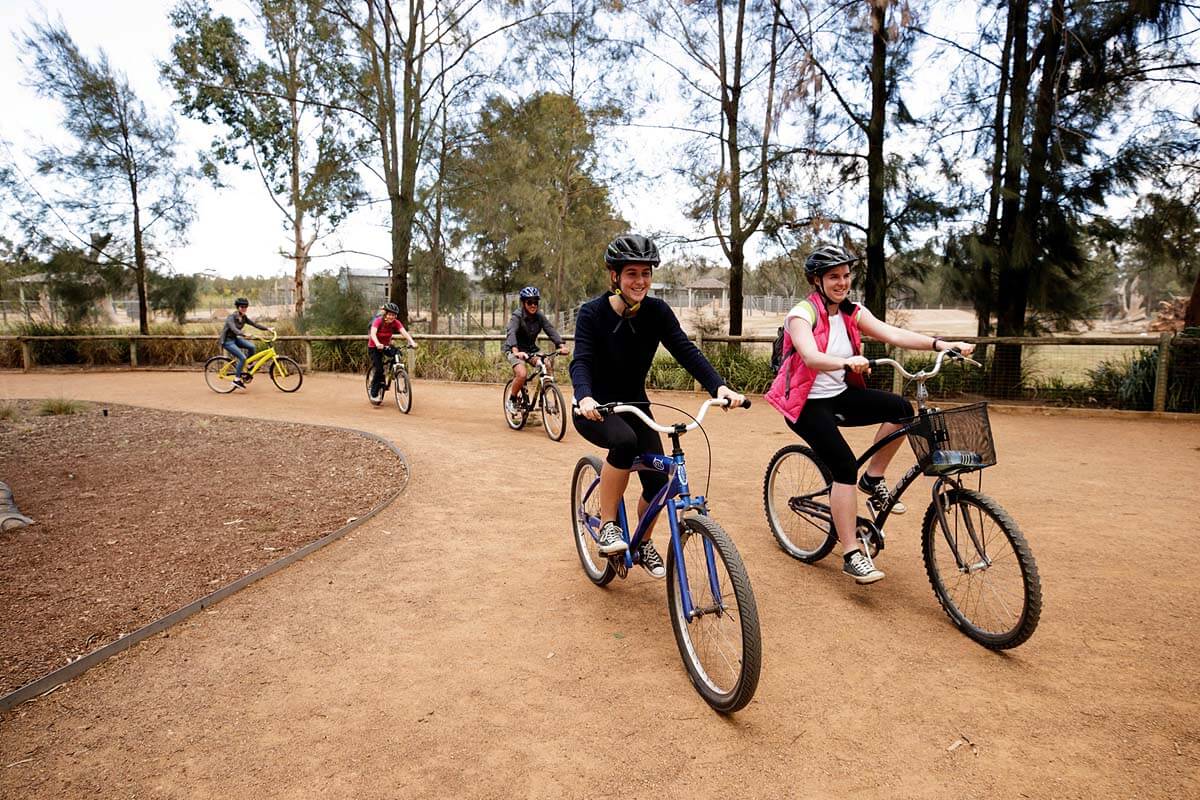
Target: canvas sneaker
(237,382)
(510,405)
(651,561)
(610,541)
(858,565)
(879,496)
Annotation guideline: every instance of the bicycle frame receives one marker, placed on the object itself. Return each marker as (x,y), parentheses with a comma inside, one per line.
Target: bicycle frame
(539,375)
(674,468)
(252,362)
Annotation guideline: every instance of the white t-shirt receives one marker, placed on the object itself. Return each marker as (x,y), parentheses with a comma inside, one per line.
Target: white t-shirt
(832,383)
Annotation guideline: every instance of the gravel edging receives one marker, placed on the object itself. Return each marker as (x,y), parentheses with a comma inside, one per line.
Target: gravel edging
(53,680)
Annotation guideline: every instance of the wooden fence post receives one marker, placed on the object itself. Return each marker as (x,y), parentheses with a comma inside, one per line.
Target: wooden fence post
(26,355)
(133,353)
(308,354)
(1160,377)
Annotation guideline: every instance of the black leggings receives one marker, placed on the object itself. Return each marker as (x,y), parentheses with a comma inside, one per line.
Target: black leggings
(819,422)
(626,437)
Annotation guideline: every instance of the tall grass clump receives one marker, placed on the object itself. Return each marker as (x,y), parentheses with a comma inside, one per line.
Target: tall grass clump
(59,406)
(8,412)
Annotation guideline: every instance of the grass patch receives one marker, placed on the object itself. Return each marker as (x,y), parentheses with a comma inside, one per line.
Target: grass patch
(8,412)
(60,406)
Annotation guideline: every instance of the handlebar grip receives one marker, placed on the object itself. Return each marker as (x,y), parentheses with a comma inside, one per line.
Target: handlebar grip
(746,403)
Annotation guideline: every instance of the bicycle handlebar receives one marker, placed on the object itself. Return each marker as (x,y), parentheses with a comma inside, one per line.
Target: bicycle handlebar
(923,375)
(621,408)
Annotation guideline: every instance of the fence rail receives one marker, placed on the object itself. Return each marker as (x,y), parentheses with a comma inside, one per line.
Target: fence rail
(1048,359)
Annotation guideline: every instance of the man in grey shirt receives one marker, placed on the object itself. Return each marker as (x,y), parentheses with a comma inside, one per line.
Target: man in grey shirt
(232,341)
(520,343)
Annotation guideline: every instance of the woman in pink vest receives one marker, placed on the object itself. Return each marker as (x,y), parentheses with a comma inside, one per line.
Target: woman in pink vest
(820,388)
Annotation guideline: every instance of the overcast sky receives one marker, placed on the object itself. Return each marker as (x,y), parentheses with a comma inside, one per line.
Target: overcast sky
(238,231)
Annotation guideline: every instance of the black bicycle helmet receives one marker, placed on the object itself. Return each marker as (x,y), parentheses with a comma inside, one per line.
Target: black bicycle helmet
(630,248)
(825,258)
(392,307)
(241,302)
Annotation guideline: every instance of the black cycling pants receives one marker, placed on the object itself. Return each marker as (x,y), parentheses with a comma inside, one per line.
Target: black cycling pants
(626,437)
(820,419)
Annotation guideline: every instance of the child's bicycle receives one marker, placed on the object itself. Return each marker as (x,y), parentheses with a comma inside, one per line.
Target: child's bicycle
(547,398)
(709,598)
(981,568)
(219,372)
(395,377)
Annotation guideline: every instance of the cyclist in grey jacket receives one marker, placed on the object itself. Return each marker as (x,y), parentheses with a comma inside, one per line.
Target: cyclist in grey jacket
(232,341)
(520,343)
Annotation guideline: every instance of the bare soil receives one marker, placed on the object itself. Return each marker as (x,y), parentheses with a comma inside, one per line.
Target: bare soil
(452,647)
(138,512)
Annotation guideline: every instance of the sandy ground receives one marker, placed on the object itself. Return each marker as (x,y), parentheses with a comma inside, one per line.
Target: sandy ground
(452,647)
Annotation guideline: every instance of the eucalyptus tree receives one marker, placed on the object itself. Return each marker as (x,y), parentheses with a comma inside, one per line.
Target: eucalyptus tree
(271,82)
(727,59)
(392,80)
(119,169)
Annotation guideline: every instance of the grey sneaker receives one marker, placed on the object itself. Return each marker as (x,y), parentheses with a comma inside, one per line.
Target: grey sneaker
(651,561)
(610,542)
(510,406)
(858,565)
(879,497)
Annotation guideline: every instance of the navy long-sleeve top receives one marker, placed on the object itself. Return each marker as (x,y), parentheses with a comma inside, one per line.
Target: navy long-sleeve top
(613,354)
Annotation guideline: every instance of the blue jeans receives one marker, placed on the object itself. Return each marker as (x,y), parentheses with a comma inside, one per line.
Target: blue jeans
(234,346)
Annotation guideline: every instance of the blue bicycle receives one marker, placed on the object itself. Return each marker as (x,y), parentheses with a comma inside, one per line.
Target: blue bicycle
(709,598)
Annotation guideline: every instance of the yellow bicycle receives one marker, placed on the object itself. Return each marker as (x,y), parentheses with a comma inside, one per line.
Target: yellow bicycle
(219,372)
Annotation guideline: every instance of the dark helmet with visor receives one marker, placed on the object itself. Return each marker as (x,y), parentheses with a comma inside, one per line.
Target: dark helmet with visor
(630,248)
(825,258)
(241,302)
(392,307)
(531,293)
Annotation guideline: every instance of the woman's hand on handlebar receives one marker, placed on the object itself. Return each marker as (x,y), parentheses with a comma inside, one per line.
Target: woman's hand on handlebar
(735,400)
(965,348)
(588,407)
(859,364)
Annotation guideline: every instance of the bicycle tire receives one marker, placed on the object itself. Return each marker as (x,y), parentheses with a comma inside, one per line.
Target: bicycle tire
(795,471)
(402,390)
(721,650)
(1008,571)
(221,384)
(286,374)
(596,566)
(518,420)
(554,413)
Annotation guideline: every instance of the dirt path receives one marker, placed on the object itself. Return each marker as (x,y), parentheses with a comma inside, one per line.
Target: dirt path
(426,656)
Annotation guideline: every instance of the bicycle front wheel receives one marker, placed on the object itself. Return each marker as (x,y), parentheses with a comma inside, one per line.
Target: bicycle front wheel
(517,420)
(796,499)
(982,570)
(585,521)
(720,642)
(402,389)
(286,374)
(554,414)
(218,374)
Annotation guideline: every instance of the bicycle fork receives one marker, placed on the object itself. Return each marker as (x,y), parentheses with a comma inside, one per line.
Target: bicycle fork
(941,495)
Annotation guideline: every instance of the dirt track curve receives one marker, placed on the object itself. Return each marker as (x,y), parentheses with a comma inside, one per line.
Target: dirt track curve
(452,647)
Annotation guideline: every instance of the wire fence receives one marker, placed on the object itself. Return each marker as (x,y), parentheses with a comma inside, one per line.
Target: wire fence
(1140,373)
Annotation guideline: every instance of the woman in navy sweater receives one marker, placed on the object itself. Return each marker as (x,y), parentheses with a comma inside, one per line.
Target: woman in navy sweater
(616,337)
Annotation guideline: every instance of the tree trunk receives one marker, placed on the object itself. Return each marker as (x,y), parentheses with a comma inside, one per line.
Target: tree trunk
(1191,317)
(876,279)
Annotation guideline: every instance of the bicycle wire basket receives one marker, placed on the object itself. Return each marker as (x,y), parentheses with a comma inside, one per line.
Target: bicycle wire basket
(953,441)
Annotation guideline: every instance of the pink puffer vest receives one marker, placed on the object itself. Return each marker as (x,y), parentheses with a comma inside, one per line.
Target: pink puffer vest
(791,386)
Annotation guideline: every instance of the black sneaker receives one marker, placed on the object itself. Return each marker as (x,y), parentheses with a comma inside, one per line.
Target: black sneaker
(651,561)
(879,496)
(237,382)
(611,542)
(858,565)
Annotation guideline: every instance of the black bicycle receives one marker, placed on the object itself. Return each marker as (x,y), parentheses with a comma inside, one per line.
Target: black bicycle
(977,559)
(395,377)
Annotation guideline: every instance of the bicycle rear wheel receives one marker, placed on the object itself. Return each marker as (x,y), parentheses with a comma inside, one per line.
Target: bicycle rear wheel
(585,521)
(286,374)
(218,374)
(402,389)
(991,591)
(721,644)
(795,491)
(554,414)
(515,421)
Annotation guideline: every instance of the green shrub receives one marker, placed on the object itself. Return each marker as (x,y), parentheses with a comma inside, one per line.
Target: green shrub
(8,412)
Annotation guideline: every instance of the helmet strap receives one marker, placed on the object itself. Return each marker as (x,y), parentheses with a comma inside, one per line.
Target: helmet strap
(630,308)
